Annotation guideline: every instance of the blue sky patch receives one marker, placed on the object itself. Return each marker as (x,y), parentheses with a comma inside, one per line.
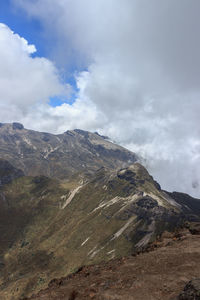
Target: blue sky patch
(28,28)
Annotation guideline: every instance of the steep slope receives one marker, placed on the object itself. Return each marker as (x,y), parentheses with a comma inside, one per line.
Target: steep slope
(59,156)
(155,275)
(56,227)
(8,172)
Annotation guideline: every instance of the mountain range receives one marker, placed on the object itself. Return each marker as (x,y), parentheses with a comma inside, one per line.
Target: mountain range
(75,199)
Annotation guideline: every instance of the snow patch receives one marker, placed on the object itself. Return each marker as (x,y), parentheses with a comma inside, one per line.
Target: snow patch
(28,142)
(119,232)
(161,200)
(93,249)
(145,240)
(110,252)
(124,202)
(83,243)
(171,201)
(49,151)
(107,203)
(72,194)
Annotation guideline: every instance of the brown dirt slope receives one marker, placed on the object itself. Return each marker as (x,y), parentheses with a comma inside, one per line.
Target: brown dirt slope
(158,274)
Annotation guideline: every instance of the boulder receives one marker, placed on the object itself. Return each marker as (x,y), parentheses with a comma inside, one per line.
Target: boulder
(191,290)
(194,228)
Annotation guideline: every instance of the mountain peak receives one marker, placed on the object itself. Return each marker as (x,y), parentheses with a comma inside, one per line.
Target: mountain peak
(61,155)
(12,126)
(17,125)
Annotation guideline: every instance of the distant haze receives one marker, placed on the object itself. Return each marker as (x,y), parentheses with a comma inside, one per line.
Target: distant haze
(136,64)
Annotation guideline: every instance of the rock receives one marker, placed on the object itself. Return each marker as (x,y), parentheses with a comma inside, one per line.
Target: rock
(127,175)
(56,282)
(18,126)
(194,228)
(147,202)
(46,138)
(191,290)
(157,185)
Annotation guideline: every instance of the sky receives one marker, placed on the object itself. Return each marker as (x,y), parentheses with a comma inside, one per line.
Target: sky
(129,69)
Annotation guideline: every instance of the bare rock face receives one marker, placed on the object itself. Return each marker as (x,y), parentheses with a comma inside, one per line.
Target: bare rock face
(191,290)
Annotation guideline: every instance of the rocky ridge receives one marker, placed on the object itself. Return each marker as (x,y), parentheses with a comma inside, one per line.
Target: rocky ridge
(51,228)
(60,156)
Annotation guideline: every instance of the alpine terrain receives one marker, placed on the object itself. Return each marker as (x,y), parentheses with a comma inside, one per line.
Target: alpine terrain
(76,203)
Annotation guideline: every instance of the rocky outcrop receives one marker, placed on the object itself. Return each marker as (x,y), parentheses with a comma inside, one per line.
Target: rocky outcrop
(194,228)
(18,126)
(191,290)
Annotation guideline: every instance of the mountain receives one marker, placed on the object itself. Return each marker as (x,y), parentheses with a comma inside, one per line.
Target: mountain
(60,156)
(75,199)
(50,228)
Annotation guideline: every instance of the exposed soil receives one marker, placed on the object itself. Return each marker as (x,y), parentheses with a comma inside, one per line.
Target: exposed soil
(160,273)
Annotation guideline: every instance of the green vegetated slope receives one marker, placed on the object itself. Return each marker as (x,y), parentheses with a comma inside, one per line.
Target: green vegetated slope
(49,228)
(8,172)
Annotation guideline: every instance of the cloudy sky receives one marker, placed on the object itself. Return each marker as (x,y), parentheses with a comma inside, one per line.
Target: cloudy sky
(129,69)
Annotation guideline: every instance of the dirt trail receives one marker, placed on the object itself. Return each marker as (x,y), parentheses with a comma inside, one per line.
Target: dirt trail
(158,274)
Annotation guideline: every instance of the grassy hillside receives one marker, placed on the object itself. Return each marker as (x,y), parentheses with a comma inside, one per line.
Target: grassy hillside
(50,228)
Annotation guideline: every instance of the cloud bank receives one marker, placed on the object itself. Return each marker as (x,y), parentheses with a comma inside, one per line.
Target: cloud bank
(138,75)
(24,81)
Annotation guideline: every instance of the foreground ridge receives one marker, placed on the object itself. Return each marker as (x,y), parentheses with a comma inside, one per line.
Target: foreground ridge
(50,228)
(160,272)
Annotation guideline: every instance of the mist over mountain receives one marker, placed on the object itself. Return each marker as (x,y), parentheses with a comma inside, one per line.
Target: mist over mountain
(99,149)
(116,67)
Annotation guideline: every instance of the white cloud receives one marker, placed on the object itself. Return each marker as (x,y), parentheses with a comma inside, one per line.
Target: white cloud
(142,84)
(24,81)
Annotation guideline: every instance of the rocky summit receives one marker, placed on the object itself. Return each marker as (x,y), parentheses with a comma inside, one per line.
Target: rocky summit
(62,155)
(74,200)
